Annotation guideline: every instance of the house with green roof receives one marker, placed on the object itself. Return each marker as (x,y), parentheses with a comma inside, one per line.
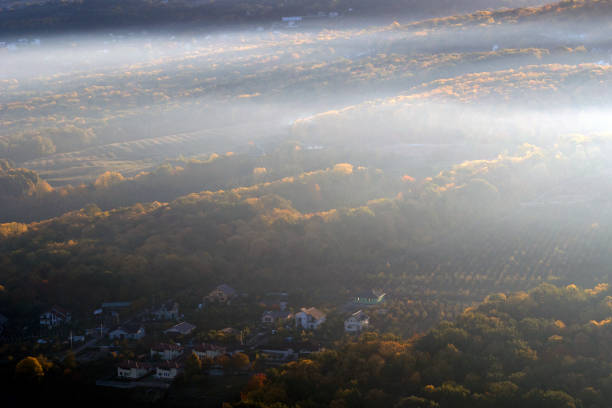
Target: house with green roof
(372,297)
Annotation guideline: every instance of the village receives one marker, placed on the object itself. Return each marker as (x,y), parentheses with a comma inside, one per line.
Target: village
(151,347)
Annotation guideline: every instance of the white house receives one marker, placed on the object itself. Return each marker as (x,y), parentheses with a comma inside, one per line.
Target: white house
(206,350)
(133,370)
(222,294)
(167,351)
(356,322)
(55,317)
(167,311)
(310,318)
(167,370)
(132,332)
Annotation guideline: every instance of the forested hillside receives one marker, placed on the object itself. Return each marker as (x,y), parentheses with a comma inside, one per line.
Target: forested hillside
(438,234)
(196,193)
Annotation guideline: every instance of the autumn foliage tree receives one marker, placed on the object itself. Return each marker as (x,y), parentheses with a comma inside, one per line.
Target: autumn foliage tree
(29,369)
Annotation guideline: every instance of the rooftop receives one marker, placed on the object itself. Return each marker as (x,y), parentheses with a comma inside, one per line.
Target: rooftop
(130,328)
(129,364)
(167,346)
(169,305)
(111,305)
(181,328)
(167,365)
(59,310)
(314,312)
(278,314)
(228,290)
(370,294)
(208,347)
(360,315)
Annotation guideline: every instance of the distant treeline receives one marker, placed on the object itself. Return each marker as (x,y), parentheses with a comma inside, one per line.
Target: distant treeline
(25,197)
(91,14)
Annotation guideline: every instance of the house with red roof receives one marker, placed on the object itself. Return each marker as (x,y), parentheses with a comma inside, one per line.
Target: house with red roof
(309,318)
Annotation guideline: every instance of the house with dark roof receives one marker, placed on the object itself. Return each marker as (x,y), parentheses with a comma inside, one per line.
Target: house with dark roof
(167,311)
(182,328)
(309,318)
(356,322)
(222,294)
(273,316)
(55,317)
(129,331)
(133,370)
(166,351)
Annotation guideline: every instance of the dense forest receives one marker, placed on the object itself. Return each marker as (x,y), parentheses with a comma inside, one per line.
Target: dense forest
(548,347)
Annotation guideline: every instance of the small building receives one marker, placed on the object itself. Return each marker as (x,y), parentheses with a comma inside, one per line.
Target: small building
(182,328)
(273,316)
(369,298)
(222,294)
(207,350)
(55,317)
(310,318)
(133,370)
(131,332)
(356,322)
(168,370)
(167,311)
(167,352)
